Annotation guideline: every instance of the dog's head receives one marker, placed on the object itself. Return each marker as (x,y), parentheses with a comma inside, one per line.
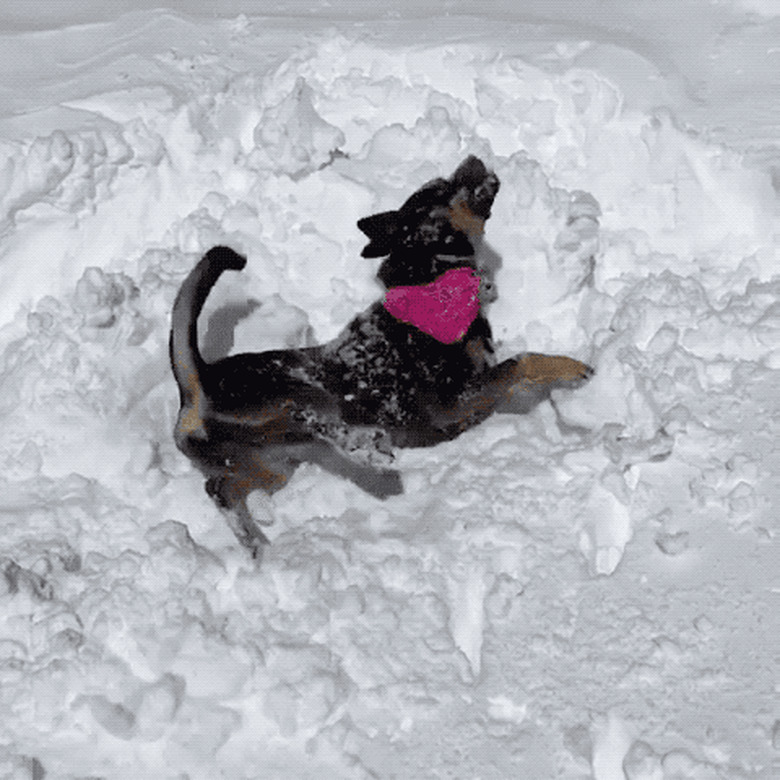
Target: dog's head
(435,229)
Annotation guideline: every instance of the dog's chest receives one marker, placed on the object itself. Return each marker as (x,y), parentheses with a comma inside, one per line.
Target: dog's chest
(384,369)
(444,308)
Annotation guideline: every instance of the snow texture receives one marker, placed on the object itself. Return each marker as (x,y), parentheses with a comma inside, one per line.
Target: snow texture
(590,590)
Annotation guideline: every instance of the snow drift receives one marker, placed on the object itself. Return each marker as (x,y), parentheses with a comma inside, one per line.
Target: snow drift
(571,595)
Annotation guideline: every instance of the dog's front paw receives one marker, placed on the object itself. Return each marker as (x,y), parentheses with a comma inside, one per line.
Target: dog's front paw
(579,376)
(582,372)
(387,483)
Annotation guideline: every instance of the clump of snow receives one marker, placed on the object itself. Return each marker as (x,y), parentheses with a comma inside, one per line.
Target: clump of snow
(577,592)
(292,137)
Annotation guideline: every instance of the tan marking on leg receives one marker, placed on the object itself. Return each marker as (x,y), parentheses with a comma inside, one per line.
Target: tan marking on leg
(547,369)
(256,474)
(475,349)
(272,421)
(250,474)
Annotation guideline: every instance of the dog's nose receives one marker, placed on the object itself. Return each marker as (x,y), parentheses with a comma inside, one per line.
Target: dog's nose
(470,172)
(483,195)
(481,185)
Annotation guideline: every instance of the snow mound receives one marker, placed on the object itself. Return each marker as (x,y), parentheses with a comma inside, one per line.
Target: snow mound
(542,600)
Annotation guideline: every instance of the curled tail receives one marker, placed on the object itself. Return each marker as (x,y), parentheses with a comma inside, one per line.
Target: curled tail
(186,360)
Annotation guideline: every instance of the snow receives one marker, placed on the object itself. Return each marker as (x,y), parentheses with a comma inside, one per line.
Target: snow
(585,591)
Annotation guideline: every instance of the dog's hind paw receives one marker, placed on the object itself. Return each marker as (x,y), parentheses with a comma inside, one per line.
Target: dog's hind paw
(247,533)
(388,484)
(256,548)
(245,523)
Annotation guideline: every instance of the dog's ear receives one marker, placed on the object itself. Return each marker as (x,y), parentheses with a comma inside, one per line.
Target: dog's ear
(381,229)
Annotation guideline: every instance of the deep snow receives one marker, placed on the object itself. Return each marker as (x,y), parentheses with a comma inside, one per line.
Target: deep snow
(593,595)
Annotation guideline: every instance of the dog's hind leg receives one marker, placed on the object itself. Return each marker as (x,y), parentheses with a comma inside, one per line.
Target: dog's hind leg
(258,473)
(245,524)
(231,489)
(379,482)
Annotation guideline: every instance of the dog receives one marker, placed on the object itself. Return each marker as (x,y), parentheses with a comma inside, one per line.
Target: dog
(415,369)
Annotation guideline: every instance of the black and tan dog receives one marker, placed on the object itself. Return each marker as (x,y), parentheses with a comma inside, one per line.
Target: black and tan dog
(415,369)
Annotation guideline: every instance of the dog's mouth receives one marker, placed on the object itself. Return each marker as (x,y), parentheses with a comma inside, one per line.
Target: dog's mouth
(470,173)
(475,191)
(463,218)
(476,187)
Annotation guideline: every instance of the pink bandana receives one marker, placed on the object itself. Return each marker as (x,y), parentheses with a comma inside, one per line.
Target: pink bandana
(444,309)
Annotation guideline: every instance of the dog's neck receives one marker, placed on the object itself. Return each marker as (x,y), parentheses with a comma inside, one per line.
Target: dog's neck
(444,309)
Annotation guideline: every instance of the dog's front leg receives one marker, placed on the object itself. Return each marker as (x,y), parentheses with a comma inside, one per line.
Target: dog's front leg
(515,385)
(534,375)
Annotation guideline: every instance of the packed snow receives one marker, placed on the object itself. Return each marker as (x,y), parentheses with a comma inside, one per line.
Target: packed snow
(589,590)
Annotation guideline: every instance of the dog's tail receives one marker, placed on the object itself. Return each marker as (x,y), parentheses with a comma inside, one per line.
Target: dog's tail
(186,360)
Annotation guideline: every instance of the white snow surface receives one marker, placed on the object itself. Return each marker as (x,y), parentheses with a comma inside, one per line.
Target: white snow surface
(592,593)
